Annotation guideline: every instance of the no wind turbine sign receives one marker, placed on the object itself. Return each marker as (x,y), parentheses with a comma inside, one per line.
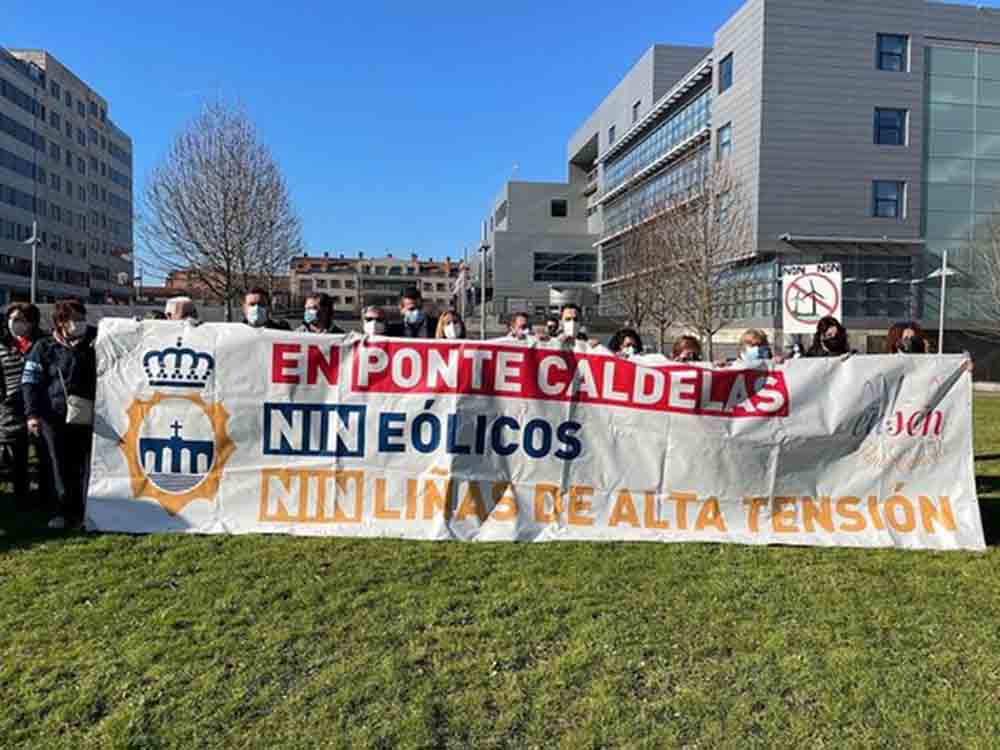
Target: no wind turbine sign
(810,292)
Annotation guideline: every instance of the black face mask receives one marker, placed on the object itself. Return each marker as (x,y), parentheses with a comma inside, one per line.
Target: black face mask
(911,345)
(836,344)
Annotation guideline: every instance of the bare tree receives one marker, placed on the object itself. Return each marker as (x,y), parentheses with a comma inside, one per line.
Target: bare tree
(218,207)
(986,269)
(626,273)
(704,231)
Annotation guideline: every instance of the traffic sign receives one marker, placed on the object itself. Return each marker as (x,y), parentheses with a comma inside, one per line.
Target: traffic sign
(810,292)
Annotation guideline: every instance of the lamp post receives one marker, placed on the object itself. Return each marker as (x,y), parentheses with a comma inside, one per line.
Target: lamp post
(944,272)
(34,240)
(483,249)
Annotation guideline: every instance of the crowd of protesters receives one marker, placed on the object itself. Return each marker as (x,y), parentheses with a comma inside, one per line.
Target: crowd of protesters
(49,378)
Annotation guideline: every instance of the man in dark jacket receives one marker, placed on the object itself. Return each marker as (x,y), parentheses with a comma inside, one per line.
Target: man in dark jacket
(257,310)
(317,317)
(415,323)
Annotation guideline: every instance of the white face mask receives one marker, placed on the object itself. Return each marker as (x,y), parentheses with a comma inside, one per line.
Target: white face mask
(374,327)
(570,327)
(627,351)
(256,315)
(451,331)
(20,328)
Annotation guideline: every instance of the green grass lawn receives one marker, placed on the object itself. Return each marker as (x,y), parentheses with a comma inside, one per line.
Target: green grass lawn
(273,642)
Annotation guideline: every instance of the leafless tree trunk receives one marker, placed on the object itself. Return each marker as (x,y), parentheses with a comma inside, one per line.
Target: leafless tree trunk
(218,207)
(704,232)
(986,256)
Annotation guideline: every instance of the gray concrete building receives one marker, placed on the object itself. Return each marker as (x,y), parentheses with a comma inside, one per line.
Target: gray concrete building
(66,166)
(541,252)
(865,133)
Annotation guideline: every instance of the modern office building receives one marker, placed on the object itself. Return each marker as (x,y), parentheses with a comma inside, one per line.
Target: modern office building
(540,251)
(67,168)
(861,132)
(356,282)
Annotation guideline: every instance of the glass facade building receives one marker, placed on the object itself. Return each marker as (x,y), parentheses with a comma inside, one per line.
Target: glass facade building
(650,196)
(962,168)
(692,119)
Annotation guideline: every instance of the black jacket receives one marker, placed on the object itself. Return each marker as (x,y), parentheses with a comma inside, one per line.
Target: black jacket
(41,385)
(274,325)
(332,328)
(425,330)
(12,423)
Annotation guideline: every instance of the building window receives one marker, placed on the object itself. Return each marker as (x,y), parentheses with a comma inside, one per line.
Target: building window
(501,212)
(559,208)
(81,109)
(611,135)
(889,198)
(573,267)
(56,91)
(54,120)
(69,100)
(893,52)
(725,140)
(635,110)
(890,127)
(726,73)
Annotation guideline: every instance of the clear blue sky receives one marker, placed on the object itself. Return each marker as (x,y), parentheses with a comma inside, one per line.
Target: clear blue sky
(395,122)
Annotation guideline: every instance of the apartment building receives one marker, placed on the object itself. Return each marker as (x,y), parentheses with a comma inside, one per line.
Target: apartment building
(66,168)
(356,282)
(864,133)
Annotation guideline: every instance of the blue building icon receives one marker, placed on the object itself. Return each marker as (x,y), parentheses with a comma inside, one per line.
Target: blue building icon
(175,464)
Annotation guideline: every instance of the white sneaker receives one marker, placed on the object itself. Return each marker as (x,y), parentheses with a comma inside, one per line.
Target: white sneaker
(57,523)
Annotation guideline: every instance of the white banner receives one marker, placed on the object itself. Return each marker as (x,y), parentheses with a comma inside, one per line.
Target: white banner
(226,429)
(810,292)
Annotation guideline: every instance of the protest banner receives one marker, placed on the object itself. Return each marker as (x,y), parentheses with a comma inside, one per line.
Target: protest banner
(228,429)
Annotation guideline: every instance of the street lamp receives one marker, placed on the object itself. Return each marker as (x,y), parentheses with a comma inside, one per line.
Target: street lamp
(34,240)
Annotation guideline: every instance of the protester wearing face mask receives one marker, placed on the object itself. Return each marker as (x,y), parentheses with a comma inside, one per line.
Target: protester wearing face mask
(21,333)
(317,316)
(520,328)
(830,339)
(906,338)
(257,310)
(59,385)
(450,326)
(755,349)
(373,321)
(686,349)
(571,322)
(552,325)
(415,323)
(626,343)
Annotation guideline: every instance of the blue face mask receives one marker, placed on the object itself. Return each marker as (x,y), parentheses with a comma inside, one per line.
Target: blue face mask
(756,353)
(311,315)
(256,315)
(414,316)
